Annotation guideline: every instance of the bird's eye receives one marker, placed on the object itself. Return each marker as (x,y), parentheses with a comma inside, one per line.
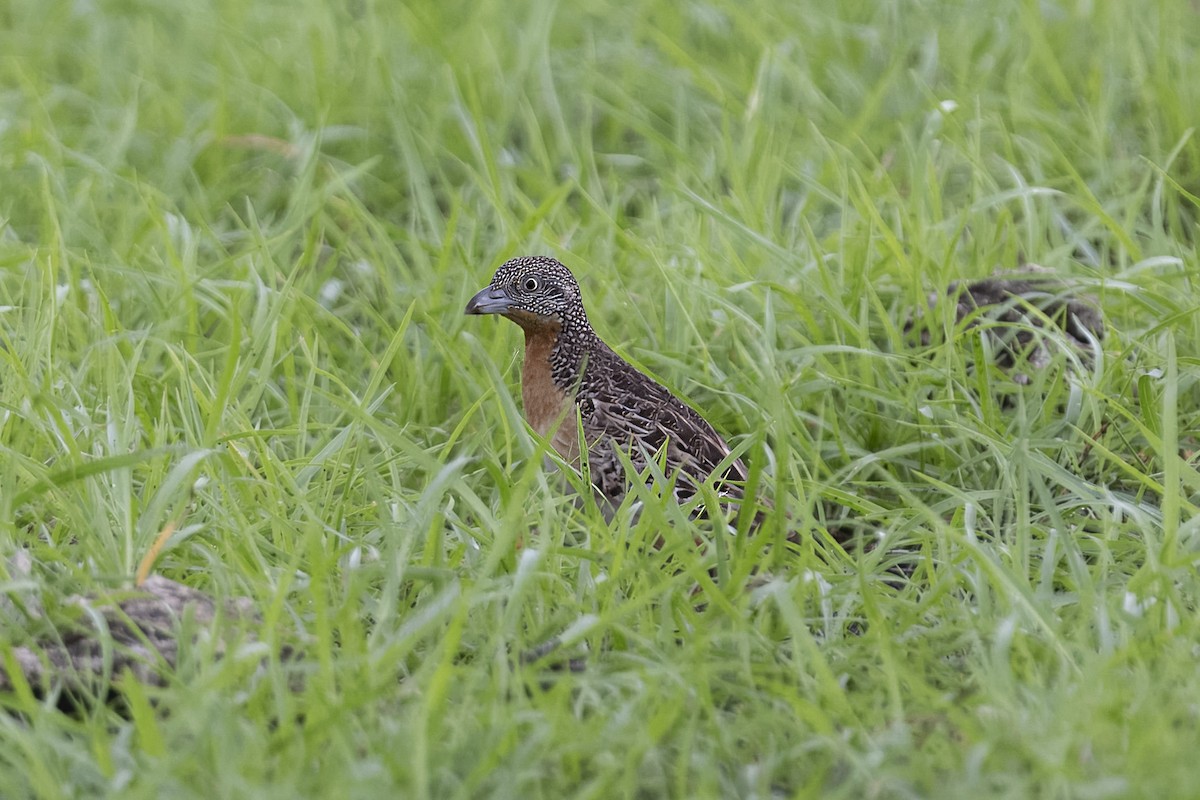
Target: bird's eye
(530,284)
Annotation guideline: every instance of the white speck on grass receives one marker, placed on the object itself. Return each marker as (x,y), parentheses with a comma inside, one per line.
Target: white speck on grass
(528,560)
(1005,632)
(330,292)
(180,231)
(362,554)
(1135,606)
(823,586)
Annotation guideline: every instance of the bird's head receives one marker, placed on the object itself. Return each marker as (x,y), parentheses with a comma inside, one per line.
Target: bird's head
(532,291)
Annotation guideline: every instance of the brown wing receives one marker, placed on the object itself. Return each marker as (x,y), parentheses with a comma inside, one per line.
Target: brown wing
(622,408)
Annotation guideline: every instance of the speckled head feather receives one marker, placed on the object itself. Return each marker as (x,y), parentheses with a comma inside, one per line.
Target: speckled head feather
(533,290)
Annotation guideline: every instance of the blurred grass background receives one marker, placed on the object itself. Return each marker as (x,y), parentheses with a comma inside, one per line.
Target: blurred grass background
(235,244)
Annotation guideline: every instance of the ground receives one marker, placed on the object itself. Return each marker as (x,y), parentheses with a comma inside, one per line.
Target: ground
(236,240)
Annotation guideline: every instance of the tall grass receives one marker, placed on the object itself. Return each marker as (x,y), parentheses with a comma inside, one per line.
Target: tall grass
(235,244)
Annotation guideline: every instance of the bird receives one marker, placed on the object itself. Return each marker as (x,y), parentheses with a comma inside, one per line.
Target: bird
(1028,314)
(572,382)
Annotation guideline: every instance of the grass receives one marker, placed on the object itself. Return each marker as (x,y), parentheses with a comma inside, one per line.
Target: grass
(235,244)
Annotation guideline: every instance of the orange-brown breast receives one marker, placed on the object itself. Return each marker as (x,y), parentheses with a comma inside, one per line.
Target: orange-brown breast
(549,410)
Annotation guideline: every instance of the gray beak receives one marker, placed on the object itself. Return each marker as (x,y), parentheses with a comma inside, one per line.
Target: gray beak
(489,300)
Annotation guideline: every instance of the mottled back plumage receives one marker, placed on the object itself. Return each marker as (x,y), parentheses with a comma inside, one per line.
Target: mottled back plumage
(568,368)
